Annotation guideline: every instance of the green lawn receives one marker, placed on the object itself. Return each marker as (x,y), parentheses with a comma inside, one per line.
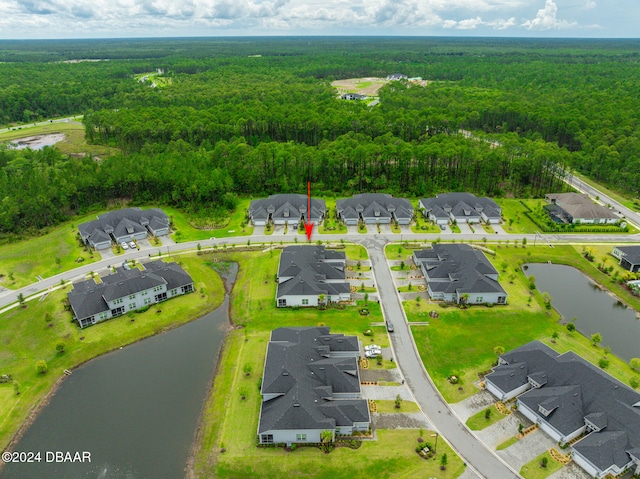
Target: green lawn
(455,228)
(461,342)
(478,421)
(401,251)
(230,422)
(389,406)
(26,337)
(515,220)
(533,469)
(356,252)
(331,225)
(74,143)
(422,225)
(509,442)
(38,255)
(194,229)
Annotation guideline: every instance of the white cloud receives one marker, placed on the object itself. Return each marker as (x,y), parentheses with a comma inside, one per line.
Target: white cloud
(591,4)
(470,23)
(546,19)
(502,24)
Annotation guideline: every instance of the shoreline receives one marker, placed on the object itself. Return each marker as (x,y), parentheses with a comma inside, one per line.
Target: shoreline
(39,406)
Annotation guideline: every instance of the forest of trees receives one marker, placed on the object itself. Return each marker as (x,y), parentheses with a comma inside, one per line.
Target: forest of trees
(259,116)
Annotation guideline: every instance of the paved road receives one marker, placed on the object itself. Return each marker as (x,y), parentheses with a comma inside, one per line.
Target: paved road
(40,123)
(480,458)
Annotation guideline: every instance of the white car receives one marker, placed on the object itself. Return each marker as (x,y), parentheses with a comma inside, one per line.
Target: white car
(124,245)
(372,346)
(132,245)
(372,353)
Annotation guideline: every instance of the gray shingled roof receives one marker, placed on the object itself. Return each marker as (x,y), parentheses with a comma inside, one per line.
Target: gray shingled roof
(375,205)
(631,253)
(581,390)
(309,268)
(117,222)
(299,368)
(461,204)
(88,298)
(460,268)
(577,205)
(294,205)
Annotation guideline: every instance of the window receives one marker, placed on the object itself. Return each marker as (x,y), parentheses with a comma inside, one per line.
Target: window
(132,296)
(305,302)
(282,303)
(502,300)
(478,299)
(118,301)
(301,437)
(267,439)
(132,305)
(147,300)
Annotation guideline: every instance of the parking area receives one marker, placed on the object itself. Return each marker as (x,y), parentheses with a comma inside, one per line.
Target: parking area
(464,228)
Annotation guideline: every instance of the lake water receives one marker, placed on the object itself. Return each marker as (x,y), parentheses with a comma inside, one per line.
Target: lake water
(135,410)
(575,295)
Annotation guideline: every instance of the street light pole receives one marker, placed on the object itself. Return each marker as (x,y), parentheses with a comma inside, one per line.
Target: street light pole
(435,448)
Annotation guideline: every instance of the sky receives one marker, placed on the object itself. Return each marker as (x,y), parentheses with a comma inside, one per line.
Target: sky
(38,19)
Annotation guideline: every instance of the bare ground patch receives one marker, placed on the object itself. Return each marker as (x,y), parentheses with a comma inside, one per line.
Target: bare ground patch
(365,86)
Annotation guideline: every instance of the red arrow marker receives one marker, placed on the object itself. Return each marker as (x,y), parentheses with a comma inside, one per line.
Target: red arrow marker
(308,226)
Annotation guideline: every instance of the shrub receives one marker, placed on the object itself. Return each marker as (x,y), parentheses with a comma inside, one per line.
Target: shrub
(571,327)
(41,366)
(603,363)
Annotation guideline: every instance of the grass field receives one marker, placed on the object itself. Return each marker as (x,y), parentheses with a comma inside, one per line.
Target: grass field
(38,256)
(389,406)
(231,423)
(74,143)
(26,337)
(515,219)
(187,229)
(461,342)
(479,421)
(534,470)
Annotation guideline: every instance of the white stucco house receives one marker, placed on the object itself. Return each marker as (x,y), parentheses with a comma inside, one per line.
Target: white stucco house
(461,208)
(457,272)
(570,399)
(309,275)
(310,384)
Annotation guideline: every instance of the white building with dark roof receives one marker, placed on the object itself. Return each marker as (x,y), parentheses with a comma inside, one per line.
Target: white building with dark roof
(569,398)
(373,208)
(123,225)
(461,208)
(577,208)
(307,272)
(286,209)
(457,272)
(310,384)
(127,290)
(628,257)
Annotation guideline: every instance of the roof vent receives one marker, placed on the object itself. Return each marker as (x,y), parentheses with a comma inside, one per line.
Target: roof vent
(285,373)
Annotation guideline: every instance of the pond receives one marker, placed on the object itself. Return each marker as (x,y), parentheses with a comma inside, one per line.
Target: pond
(135,410)
(37,142)
(575,295)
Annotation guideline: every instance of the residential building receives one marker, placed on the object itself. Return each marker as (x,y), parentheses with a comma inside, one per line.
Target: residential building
(353,96)
(286,209)
(310,384)
(396,76)
(458,273)
(373,208)
(123,226)
(127,290)
(571,399)
(311,275)
(577,208)
(628,256)
(460,208)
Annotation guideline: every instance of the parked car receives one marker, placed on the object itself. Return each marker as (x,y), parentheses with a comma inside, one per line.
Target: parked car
(132,245)
(443,227)
(372,353)
(389,326)
(372,346)
(124,245)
